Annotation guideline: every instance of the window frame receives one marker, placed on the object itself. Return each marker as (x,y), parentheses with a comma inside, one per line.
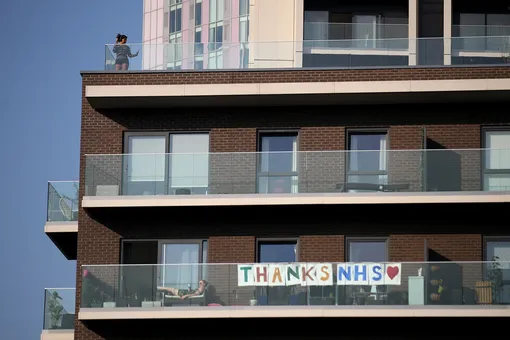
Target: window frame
(484,171)
(281,133)
(198,241)
(167,135)
(174,8)
(357,132)
(159,244)
(275,240)
(367,239)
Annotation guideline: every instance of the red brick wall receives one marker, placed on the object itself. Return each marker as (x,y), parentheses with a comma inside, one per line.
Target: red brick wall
(318,248)
(233,140)
(284,76)
(231,249)
(456,247)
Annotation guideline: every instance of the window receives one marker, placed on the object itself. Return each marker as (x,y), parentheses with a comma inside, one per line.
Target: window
(215,36)
(216,14)
(174,51)
(497,160)
(367,250)
(244,7)
(166,164)
(143,257)
(183,263)
(498,249)
(189,162)
(199,46)
(367,157)
(244,26)
(145,166)
(175,19)
(198,13)
(277,251)
(277,163)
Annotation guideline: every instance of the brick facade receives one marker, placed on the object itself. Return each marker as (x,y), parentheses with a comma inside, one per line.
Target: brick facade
(296,75)
(320,129)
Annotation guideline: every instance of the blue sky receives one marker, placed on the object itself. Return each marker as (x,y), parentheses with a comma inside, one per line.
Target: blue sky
(45,45)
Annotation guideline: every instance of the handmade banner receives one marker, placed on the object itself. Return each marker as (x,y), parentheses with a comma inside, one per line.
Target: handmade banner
(318,274)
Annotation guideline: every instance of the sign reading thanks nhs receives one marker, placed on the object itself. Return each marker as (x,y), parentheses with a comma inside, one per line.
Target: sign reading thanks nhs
(318,274)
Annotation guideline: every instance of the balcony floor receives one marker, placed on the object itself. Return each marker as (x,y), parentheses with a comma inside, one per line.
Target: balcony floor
(291,312)
(297,199)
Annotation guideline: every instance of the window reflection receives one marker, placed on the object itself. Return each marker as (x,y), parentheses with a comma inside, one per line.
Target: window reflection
(278,164)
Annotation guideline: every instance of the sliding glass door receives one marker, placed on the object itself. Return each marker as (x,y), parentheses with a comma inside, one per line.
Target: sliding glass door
(165,164)
(145,165)
(189,163)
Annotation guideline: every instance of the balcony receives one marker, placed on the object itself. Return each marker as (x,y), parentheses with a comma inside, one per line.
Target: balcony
(288,178)
(280,290)
(62,216)
(59,307)
(389,48)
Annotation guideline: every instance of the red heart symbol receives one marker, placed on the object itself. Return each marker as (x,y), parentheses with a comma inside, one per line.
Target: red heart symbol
(392,272)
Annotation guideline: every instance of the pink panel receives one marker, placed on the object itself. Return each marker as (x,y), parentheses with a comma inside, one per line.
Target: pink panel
(152,54)
(235,8)
(234,24)
(185,19)
(154,25)
(160,4)
(146,27)
(154,5)
(146,5)
(185,33)
(159,54)
(205,20)
(160,23)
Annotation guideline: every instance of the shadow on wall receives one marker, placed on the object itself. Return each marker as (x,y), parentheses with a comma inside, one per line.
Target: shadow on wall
(322,116)
(442,169)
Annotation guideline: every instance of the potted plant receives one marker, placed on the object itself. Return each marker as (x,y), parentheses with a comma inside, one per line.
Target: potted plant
(55,309)
(495,276)
(254,301)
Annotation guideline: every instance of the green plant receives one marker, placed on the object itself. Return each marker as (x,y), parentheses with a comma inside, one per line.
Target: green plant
(495,275)
(55,309)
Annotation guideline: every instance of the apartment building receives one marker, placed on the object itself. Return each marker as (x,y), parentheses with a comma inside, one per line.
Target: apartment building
(356,171)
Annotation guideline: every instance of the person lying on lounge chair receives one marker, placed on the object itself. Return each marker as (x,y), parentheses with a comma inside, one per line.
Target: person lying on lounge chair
(185,293)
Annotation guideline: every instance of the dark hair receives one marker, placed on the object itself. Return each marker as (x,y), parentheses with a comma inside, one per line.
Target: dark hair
(121,37)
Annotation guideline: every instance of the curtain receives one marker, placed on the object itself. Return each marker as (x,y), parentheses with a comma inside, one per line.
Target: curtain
(180,265)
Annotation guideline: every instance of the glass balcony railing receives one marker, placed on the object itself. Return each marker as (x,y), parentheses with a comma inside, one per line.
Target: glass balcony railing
(62,201)
(362,50)
(393,36)
(59,307)
(298,172)
(285,284)
(480,38)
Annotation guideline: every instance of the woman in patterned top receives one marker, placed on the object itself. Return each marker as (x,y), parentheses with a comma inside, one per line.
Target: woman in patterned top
(123,53)
(185,293)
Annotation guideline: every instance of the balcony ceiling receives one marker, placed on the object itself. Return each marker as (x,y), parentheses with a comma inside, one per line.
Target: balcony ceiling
(302,94)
